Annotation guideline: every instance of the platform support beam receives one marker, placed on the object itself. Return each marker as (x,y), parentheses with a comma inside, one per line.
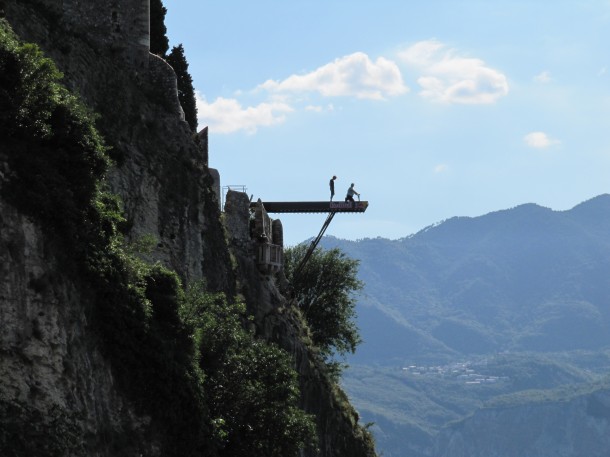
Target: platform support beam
(314,244)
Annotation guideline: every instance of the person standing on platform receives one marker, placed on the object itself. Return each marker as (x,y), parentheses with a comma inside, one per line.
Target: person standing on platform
(332,187)
(350,194)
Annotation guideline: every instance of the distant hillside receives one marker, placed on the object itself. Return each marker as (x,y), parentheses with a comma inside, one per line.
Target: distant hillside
(523,279)
(575,425)
(478,329)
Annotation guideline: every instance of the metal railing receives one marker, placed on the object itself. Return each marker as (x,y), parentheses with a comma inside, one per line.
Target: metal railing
(225,189)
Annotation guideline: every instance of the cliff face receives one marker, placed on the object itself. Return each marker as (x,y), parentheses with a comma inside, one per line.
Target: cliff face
(54,379)
(54,382)
(162,175)
(575,427)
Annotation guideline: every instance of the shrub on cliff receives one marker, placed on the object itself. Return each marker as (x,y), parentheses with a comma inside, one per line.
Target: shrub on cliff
(55,154)
(252,388)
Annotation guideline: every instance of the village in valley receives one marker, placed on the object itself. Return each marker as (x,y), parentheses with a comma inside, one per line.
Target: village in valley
(464,372)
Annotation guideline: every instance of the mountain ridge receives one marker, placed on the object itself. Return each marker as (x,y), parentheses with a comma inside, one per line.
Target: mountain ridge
(517,301)
(456,279)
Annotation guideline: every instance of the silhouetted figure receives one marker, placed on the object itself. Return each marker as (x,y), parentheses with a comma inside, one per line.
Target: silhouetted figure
(332,187)
(350,194)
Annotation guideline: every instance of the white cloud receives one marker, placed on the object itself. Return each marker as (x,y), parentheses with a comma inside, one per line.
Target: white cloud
(320,109)
(444,77)
(353,75)
(539,140)
(449,78)
(227,115)
(544,77)
(441,168)
(316,109)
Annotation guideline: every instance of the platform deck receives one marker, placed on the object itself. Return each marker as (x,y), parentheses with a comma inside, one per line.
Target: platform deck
(314,207)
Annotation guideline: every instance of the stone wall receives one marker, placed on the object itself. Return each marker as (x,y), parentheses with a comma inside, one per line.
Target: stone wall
(163,77)
(122,25)
(119,26)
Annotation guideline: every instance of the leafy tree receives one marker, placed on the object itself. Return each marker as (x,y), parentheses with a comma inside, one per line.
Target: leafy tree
(325,290)
(186,93)
(251,385)
(159,43)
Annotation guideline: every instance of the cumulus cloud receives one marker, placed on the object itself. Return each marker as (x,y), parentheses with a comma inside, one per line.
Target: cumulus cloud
(444,76)
(450,78)
(539,140)
(354,75)
(544,77)
(227,115)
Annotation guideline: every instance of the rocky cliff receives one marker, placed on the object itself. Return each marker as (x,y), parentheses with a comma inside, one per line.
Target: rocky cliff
(58,380)
(278,319)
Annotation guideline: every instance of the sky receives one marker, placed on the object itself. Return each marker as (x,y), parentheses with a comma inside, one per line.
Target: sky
(433,109)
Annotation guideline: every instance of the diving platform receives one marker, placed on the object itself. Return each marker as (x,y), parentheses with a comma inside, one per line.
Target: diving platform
(313,207)
(269,233)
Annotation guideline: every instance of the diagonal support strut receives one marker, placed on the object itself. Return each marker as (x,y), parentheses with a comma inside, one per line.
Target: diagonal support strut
(314,244)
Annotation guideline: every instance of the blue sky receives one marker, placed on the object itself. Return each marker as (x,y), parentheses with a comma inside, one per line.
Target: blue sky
(433,109)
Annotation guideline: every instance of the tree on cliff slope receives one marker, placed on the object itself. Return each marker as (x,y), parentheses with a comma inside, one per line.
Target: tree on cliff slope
(251,386)
(325,290)
(186,93)
(159,43)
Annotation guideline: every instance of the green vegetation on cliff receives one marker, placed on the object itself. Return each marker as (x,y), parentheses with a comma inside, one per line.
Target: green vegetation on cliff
(55,155)
(186,92)
(172,353)
(325,291)
(159,43)
(253,391)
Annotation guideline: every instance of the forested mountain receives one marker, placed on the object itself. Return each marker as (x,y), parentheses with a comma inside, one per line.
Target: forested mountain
(526,278)
(472,319)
